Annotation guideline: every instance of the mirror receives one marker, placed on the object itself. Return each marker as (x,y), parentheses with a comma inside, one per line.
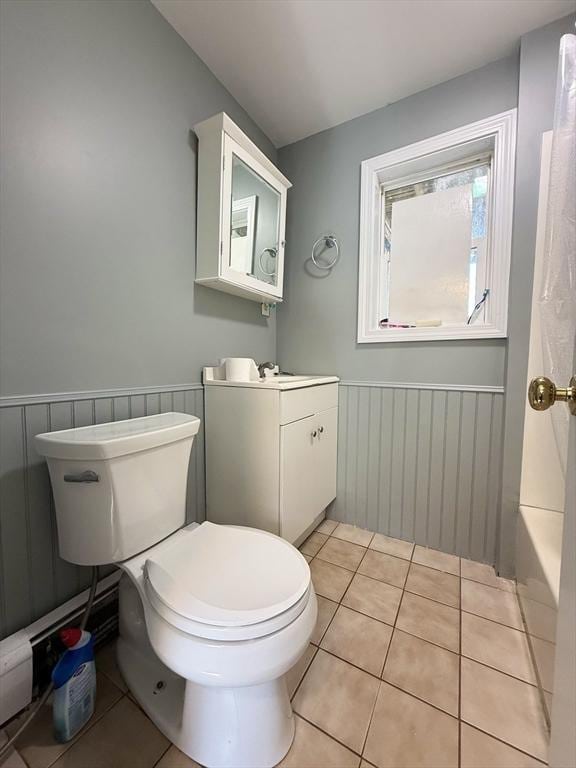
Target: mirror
(254,222)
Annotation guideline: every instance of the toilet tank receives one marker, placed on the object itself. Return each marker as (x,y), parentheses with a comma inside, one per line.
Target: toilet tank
(119,488)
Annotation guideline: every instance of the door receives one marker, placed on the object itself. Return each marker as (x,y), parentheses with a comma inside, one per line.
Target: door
(557,386)
(307,472)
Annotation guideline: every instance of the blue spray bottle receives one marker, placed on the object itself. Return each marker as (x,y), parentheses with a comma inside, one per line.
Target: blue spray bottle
(74,678)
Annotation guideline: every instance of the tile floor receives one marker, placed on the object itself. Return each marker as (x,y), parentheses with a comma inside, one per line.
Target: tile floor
(418,660)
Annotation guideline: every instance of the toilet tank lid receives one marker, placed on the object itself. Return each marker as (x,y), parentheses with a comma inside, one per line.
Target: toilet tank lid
(118,438)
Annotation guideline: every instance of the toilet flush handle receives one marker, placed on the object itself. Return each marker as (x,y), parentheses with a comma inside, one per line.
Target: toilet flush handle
(89,476)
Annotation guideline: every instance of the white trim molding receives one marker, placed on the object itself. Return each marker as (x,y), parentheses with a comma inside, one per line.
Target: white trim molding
(10,401)
(496,134)
(416,385)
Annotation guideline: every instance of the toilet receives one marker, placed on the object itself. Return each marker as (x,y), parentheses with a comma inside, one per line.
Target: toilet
(212,617)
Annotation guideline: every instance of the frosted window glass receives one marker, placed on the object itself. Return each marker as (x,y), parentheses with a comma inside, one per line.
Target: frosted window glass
(430,257)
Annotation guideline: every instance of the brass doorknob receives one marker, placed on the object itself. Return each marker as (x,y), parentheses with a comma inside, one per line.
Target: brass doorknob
(542,393)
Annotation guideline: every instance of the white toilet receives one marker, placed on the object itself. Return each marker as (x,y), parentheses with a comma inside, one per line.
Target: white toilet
(211,617)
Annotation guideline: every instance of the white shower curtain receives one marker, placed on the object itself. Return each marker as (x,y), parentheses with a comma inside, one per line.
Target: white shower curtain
(557,298)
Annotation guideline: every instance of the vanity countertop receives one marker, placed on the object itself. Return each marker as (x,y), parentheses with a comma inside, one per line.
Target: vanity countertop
(282,382)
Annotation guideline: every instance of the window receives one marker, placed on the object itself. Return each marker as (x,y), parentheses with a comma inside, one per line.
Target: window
(435,234)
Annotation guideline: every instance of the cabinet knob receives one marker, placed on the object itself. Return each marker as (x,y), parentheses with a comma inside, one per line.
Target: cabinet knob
(320,429)
(314,433)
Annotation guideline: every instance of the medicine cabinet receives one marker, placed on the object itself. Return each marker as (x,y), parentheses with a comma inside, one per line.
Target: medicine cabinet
(241,214)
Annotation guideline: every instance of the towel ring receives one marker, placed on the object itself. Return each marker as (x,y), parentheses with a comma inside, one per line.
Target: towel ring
(273,253)
(329,241)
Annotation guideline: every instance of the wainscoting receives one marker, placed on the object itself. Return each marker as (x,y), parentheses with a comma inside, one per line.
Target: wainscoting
(422,463)
(33,578)
(414,461)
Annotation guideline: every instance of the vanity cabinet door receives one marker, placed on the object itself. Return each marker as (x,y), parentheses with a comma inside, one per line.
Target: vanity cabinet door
(325,458)
(308,471)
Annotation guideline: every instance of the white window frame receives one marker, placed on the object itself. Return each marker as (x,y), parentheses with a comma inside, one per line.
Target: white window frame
(496,133)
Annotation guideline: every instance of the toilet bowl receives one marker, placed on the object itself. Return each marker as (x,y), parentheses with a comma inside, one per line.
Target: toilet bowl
(229,611)
(211,617)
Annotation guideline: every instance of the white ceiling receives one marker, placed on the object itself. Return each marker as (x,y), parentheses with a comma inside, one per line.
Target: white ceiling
(300,66)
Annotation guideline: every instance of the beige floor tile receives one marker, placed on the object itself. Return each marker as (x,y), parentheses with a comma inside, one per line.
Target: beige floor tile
(436,585)
(478,750)
(358,639)
(440,624)
(295,675)
(491,603)
(434,559)
(497,646)
(353,534)
(384,567)
(313,543)
(329,580)
(38,746)
(313,749)
(485,574)
(308,558)
(173,758)
(342,553)
(427,671)
(326,611)
(503,707)
(390,546)
(374,598)
(544,653)
(106,662)
(327,527)
(123,737)
(407,733)
(338,698)
(12,759)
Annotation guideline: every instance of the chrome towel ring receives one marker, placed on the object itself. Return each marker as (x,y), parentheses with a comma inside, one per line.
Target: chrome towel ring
(329,241)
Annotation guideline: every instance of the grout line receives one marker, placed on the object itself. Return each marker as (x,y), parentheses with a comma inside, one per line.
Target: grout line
(316,649)
(501,671)
(494,621)
(460,677)
(501,741)
(543,703)
(170,744)
(326,733)
(86,730)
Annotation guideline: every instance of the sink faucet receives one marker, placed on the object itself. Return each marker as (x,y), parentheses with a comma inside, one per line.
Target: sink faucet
(263,366)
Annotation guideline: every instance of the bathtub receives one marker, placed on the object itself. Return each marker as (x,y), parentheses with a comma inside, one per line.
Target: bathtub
(538,557)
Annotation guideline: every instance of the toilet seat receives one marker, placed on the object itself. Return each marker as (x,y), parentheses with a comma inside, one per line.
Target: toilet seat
(226,582)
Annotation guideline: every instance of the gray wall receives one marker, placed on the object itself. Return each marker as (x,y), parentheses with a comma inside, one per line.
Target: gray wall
(317,324)
(99,200)
(98,254)
(538,69)
(418,463)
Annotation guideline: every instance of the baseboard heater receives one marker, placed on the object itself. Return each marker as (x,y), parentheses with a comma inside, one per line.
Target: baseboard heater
(27,656)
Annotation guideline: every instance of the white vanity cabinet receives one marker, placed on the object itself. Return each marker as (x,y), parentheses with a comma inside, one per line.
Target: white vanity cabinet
(271,451)
(241,214)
